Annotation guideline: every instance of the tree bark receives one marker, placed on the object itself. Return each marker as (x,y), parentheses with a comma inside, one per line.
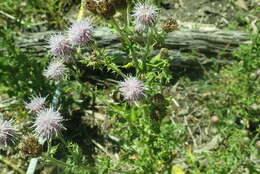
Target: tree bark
(179,43)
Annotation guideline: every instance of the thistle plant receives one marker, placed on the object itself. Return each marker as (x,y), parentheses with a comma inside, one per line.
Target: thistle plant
(37,103)
(145,14)
(59,46)
(140,20)
(110,98)
(55,71)
(48,123)
(80,32)
(7,132)
(132,89)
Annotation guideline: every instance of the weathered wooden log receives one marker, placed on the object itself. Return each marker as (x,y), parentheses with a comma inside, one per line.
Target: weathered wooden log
(178,42)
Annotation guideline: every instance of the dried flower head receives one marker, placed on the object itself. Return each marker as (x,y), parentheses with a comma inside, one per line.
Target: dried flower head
(30,146)
(105,9)
(7,131)
(48,123)
(36,104)
(80,32)
(56,70)
(145,13)
(132,89)
(91,5)
(59,46)
(170,25)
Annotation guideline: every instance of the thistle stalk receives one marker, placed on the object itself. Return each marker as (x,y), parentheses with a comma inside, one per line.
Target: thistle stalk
(34,161)
(10,164)
(81,11)
(122,34)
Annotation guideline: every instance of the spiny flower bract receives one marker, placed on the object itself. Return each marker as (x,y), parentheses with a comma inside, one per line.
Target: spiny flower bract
(56,70)
(140,28)
(132,89)
(80,32)
(59,46)
(36,103)
(7,131)
(48,123)
(145,13)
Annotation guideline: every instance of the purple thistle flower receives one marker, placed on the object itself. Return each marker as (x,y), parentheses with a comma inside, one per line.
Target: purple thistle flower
(59,46)
(145,14)
(48,123)
(132,89)
(80,32)
(7,131)
(56,70)
(36,104)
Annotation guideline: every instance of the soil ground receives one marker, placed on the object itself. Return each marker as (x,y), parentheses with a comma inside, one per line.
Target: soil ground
(219,13)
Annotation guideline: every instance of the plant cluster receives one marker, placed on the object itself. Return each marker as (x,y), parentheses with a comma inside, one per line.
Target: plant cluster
(67,50)
(138,123)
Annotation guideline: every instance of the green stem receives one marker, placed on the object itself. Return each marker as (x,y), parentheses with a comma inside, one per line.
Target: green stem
(128,14)
(48,146)
(116,69)
(82,9)
(126,39)
(122,34)
(95,47)
(110,65)
(147,48)
(62,164)
(57,94)
(62,140)
(148,42)
(135,61)
(10,164)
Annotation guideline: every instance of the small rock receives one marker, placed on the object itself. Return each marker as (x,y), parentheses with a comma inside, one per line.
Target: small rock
(257,144)
(214,119)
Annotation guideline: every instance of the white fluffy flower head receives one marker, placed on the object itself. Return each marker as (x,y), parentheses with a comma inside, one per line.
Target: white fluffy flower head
(132,89)
(145,13)
(7,131)
(56,70)
(48,123)
(36,103)
(59,46)
(80,32)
